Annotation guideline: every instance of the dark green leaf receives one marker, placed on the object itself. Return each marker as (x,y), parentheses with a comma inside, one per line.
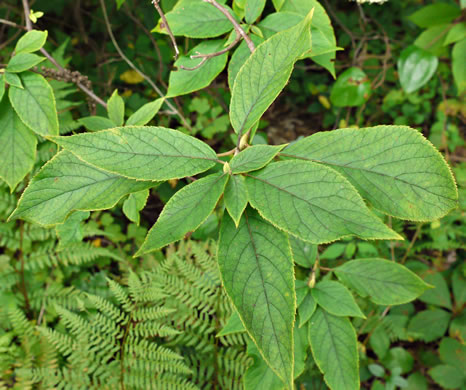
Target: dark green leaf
(35,104)
(394,167)
(336,299)
(385,282)
(334,347)
(185,212)
(352,89)
(312,202)
(145,153)
(257,271)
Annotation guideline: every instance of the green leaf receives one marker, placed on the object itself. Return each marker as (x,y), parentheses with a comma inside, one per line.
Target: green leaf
(259,375)
(257,271)
(96,123)
(456,34)
(304,253)
(433,40)
(429,325)
(197,19)
(336,299)
(35,104)
(416,67)
(453,352)
(399,358)
(2,86)
(434,14)
(394,167)
(306,309)
(334,347)
(385,282)
(134,204)
(417,381)
(14,80)
(239,57)
(376,370)
(233,325)
(448,377)
(236,197)
(145,153)
(352,89)
(254,9)
(116,109)
(312,202)
(254,158)
(265,73)
(31,41)
(440,294)
(185,212)
(71,231)
(458,282)
(323,37)
(66,184)
(379,341)
(18,146)
(186,81)
(23,61)
(145,114)
(457,55)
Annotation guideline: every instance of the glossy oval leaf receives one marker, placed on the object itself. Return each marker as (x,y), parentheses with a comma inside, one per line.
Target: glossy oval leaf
(66,184)
(18,146)
(385,282)
(312,202)
(416,67)
(336,299)
(35,104)
(236,197)
(145,153)
(184,81)
(185,212)
(394,167)
(265,73)
(253,158)
(257,271)
(334,347)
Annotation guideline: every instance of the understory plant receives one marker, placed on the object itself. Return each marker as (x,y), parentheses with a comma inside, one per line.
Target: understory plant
(275,203)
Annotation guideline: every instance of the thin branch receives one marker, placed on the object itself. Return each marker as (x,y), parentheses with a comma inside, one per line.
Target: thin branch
(235,24)
(27,12)
(139,72)
(205,57)
(166,26)
(413,241)
(12,24)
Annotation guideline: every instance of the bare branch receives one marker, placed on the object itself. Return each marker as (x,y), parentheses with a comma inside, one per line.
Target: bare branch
(166,26)
(27,12)
(205,57)
(235,24)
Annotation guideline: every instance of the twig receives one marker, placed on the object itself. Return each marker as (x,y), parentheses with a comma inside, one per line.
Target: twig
(27,12)
(12,24)
(132,66)
(411,244)
(205,57)
(167,27)
(235,24)
(229,153)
